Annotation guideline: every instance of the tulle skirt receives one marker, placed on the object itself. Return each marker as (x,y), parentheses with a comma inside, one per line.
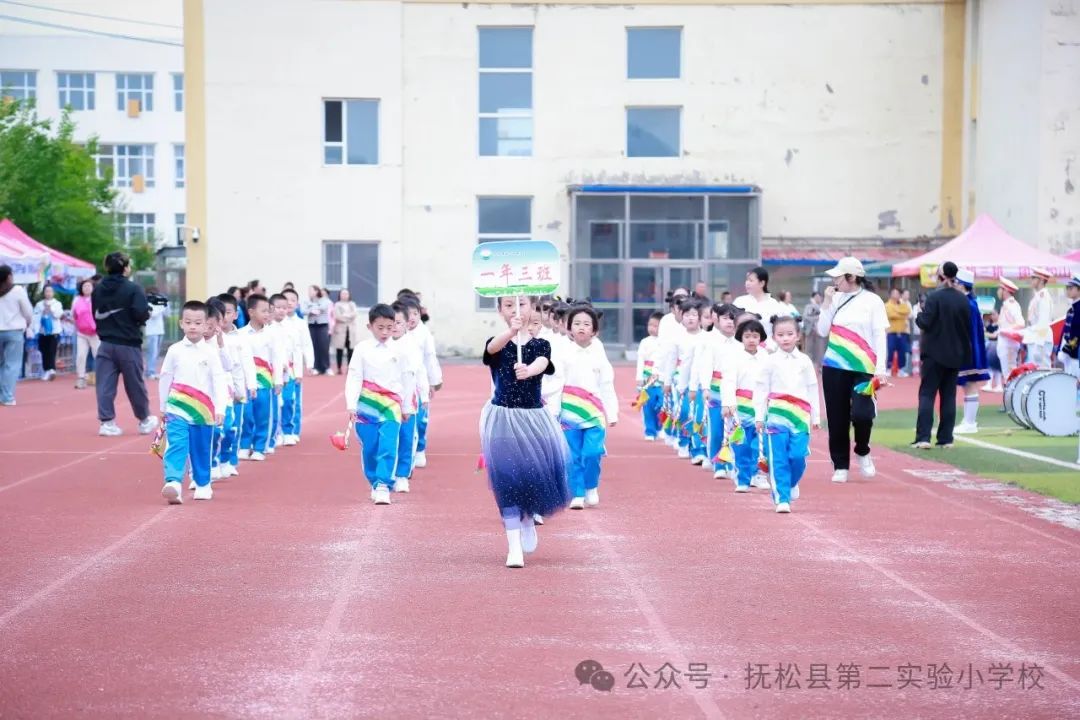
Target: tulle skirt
(526,456)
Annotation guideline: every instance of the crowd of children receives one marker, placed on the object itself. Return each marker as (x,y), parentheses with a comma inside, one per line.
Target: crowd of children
(229,394)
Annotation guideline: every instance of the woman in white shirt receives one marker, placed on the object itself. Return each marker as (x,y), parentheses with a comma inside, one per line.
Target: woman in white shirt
(15,317)
(46,325)
(854,323)
(757,299)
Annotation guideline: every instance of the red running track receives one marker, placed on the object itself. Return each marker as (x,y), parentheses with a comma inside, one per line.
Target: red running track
(290,595)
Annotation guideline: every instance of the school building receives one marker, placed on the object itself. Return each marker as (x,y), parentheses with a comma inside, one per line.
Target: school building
(371,144)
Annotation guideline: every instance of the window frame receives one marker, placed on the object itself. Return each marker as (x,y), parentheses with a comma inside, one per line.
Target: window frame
(147,224)
(343,144)
(144,93)
(88,91)
(118,160)
(485,304)
(681,54)
(679,134)
(178,91)
(179,165)
(530,115)
(28,88)
(343,268)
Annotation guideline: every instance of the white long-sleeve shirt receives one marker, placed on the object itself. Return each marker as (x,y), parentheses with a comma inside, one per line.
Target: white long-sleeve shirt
(586,384)
(855,325)
(1040,317)
(242,373)
(647,353)
(667,353)
(378,382)
(194,385)
(765,308)
(691,348)
(426,342)
(1010,319)
(786,393)
(268,354)
(716,362)
(738,391)
(303,351)
(412,364)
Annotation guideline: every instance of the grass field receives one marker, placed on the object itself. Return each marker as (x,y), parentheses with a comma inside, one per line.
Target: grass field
(896,429)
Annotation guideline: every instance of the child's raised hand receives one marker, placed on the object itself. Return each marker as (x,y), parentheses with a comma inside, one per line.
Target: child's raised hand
(516,323)
(522,371)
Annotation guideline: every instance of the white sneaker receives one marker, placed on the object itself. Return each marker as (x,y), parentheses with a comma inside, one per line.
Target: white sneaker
(215,473)
(760,481)
(515,557)
(420,460)
(243,454)
(538,519)
(866,465)
(577,503)
(109,429)
(698,460)
(204,492)
(987,388)
(372,494)
(684,452)
(795,493)
(270,451)
(229,470)
(742,488)
(382,495)
(288,440)
(650,438)
(257,457)
(592,497)
(529,539)
(148,425)
(401,485)
(966,429)
(192,484)
(721,474)
(783,508)
(839,476)
(173,492)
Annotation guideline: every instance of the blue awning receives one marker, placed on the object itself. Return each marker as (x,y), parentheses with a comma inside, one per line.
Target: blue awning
(668,189)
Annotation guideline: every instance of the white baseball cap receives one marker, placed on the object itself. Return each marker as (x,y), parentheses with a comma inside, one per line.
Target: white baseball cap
(965,276)
(847,266)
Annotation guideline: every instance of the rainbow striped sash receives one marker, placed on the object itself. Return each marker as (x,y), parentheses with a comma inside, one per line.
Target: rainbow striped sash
(264,374)
(190,404)
(848,351)
(581,409)
(714,389)
(648,368)
(788,412)
(744,405)
(377,405)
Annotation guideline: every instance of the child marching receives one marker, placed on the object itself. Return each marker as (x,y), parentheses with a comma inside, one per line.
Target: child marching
(738,402)
(718,362)
(268,358)
(650,393)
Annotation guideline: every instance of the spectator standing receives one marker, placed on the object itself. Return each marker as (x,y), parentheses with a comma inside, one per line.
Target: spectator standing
(15,318)
(46,326)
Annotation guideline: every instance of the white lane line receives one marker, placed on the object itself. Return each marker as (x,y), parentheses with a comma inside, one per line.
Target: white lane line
(1020,453)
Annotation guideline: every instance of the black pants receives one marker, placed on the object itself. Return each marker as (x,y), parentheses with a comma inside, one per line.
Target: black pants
(112,362)
(346,352)
(836,386)
(320,342)
(936,380)
(47,344)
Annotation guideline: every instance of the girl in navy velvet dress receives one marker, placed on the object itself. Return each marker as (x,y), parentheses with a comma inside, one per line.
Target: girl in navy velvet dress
(524,449)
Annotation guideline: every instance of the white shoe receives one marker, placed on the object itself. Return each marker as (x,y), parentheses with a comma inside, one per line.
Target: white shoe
(684,452)
(783,508)
(109,429)
(215,473)
(515,557)
(866,465)
(721,474)
(420,461)
(204,492)
(538,519)
(760,481)
(966,429)
(707,466)
(243,454)
(592,497)
(698,460)
(529,539)
(577,503)
(650,438)
(148,425)
(173,492)
(372,494)
(229,470)
(192,484)
(401,485)
(257,457)
(987,388)
(795,493)
(742,488)
(288,440)
(270,451)
(839,476)
(382,495)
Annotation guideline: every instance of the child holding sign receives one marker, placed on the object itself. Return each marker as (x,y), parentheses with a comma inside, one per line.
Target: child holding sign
(524,449)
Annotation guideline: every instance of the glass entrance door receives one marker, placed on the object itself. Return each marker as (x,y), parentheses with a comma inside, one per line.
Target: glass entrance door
(649,286)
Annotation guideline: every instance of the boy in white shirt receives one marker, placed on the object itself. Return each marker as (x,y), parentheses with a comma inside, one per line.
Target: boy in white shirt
(717,361)
(413,366)
(737,390)
(647,379)
(303,358)
(424,340)
(243,384)
(688,385)
(193,392)
(269,359)
(374,390)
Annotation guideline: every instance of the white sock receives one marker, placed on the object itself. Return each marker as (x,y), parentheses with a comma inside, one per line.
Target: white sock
(971,409)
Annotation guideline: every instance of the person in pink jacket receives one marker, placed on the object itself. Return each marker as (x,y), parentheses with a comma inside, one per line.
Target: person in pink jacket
(86,330)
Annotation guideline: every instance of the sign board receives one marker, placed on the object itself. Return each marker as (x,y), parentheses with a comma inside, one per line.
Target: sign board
(515,267)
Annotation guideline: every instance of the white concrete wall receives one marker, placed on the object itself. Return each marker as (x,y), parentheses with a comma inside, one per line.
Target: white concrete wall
(1059,125)
(49,50)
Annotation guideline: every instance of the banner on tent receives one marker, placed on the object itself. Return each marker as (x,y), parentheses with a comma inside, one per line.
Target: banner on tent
(992,273)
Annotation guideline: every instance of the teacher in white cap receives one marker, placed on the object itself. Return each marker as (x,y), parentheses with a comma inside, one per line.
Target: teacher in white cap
(854,323)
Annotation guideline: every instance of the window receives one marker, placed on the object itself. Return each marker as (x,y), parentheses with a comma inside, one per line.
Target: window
(502,218)
(506,110)
(351,132)
(178,92)
(652,132)
(76,90)
(135,86)
(126,162)
(18,84)
(178,154)
(352,266)
(179,220)
(653,53)
(135,227)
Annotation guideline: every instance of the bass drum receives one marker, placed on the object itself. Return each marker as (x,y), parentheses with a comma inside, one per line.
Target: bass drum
(1048,403)
(1012,395)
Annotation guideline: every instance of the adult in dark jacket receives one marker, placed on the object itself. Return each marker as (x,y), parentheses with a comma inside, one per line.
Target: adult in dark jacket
(945,348)
(120,311)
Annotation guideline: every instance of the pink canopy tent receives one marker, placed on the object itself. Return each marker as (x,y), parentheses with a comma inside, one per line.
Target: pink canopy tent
(1074,256)
(61,268)
(990,252)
